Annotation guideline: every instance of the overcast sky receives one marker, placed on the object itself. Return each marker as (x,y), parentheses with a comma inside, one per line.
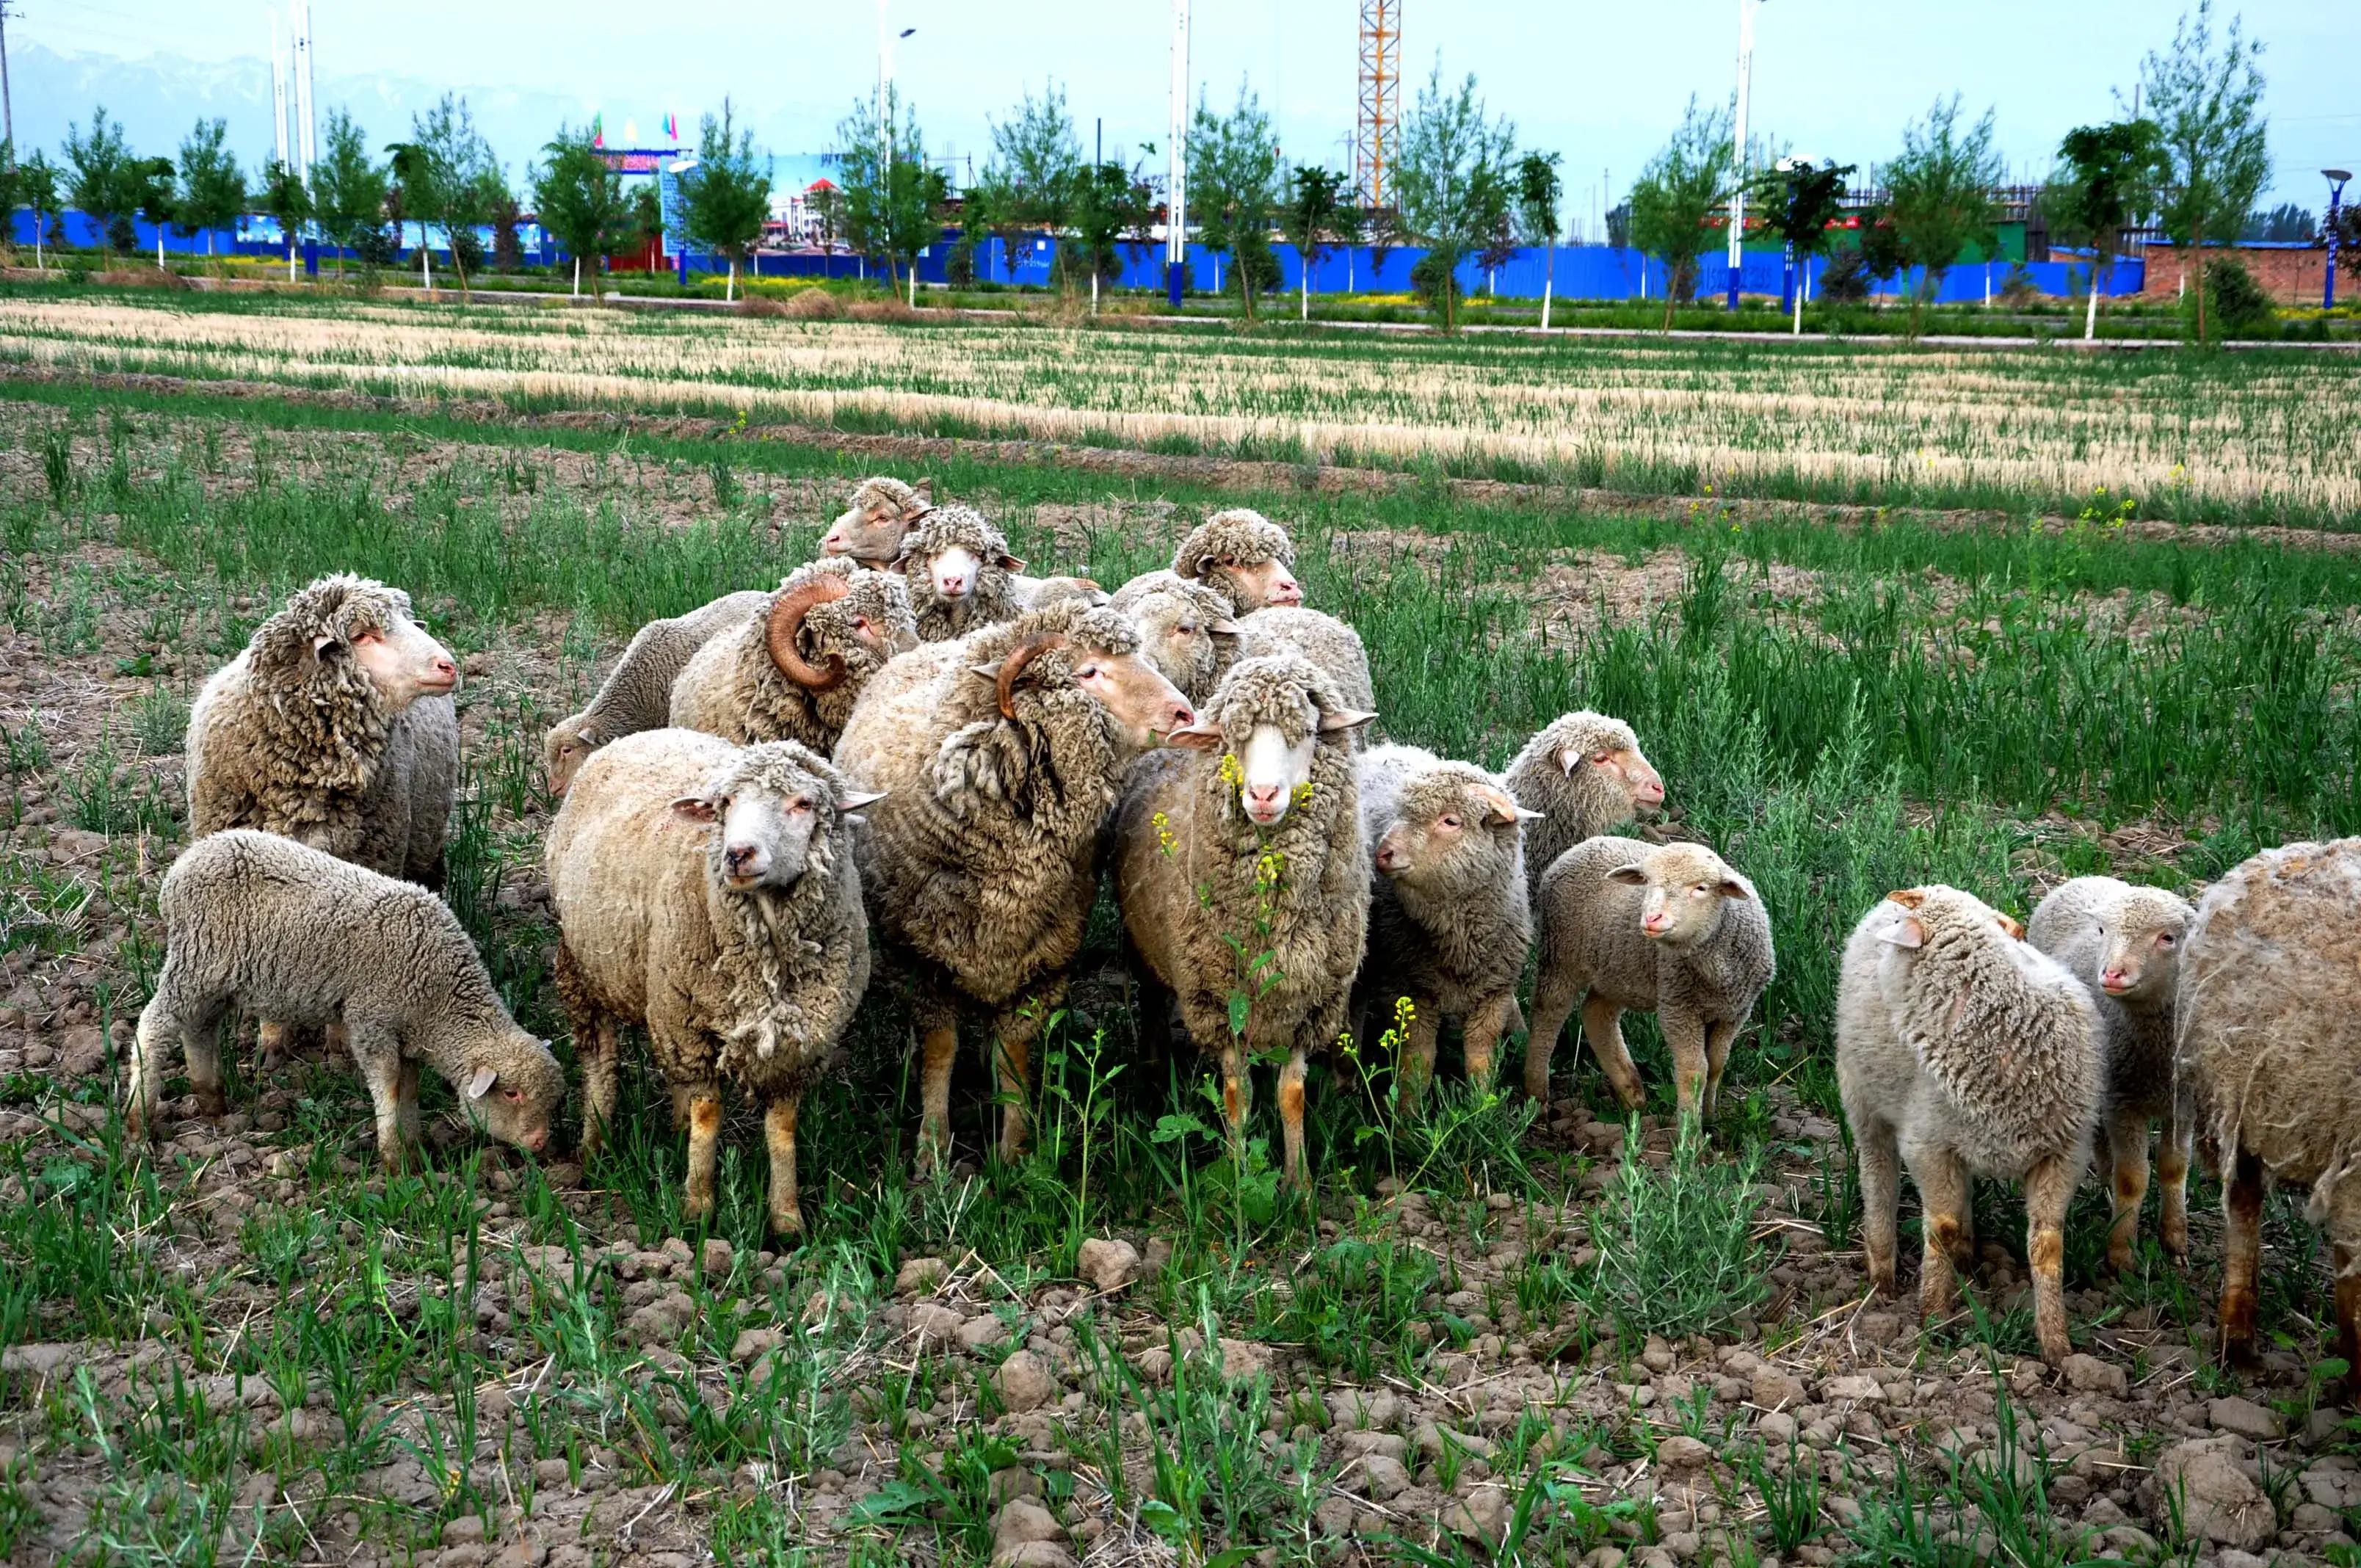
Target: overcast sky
(1601,83)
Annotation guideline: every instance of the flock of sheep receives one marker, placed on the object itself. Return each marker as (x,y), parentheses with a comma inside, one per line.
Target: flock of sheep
(910,735)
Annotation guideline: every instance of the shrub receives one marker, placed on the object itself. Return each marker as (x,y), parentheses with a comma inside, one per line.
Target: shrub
(1429,278)
(2236,302)
(1676,1249)
(1846,282)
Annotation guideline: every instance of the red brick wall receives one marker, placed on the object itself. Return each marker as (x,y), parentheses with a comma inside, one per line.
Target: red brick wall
(2289,277)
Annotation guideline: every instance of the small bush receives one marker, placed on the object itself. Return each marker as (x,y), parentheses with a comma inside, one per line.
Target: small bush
(809,305)
(2235,304)
(1429,280)
(1846,282)
(1676,1249)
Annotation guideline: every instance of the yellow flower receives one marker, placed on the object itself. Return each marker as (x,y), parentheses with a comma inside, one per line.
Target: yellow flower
(1164,841)
(1232,774)
(1303,792)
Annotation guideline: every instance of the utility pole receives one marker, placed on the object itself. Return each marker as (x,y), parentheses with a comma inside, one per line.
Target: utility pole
(1738,145)
(1176,162)
(279,99)
(7,102)
(306,144)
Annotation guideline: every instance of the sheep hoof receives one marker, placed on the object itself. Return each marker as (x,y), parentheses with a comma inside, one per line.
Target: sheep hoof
(212,1103)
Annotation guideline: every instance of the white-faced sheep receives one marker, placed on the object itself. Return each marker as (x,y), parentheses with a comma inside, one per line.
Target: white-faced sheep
(1250,832)
(792,667)
(1665,926)
(1000,755)
(883,512)
(2270,1021)
(1584,774)
(961,574)
(261,922)
(1966,1051)
(1450,923)
(708,892)
(2123,943)
(1242,555)
(1185,630)
(637,693)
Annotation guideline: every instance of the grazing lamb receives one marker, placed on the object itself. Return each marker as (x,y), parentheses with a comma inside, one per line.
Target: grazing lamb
(1001,755)
(708,893)
(883,511)
(961,574)
(1968,1052)
(2123,943)
(1242,555)
(281,929)
(1253,833)
(1449,920)
(1665,926)
(2269,1020)
(1585,774)
(1321,637)
(332,727)
(637,693)
(1185,630)
(792,667)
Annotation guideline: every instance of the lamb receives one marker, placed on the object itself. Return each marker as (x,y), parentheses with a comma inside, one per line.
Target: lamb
(2124,944)
(280,929)
(334,727)
(1968,1052)
(637,693)
(793,666)
(1449,922)
(1242,555)
(1584,774)
(2268,1015)
(1321,637)
(1001,754)
(1251,832)
(1185,630)
(708,892)
(1667,927)
(883,511)
(961,574)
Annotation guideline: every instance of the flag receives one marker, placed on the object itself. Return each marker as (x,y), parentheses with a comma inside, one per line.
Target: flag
(597,131)
(671,125)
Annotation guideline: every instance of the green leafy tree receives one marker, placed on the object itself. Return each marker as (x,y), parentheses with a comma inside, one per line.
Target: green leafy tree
(1539,191)
(2207,105)
(861,157)
(103,179)
(994,210)
(1040,161)
(917,194)
(578,199)
(2109,176)
(213,186)
(457,177)
(37,179)
(1677,192)
(507,214)
(348,189)
(1232,161)
(410,194)
(726,197)
(1313,218)
(1452,178)
(157,197)
(1939,195)
(1805,199)
(288,203)
(1099,215)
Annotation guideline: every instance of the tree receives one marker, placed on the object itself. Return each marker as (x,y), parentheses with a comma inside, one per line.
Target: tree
(1315,216)
(1232,162)
(579,200)
(1676,194)
(989,212)
(37,181)
(460,176)
(2207,106)
(1538,192)
(1807,197)
(1101,214)
(2110,178)
(410,193)
(726,197)
(508,251)
(916,195)
(213,186)
(1938,194)
(288,203)
(2286,224)
(1040,163)
(1451,177)
(102,178)
(157,197)
(348,189)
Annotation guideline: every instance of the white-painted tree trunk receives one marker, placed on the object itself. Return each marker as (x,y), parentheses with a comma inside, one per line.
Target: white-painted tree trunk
(160,248)
(291,262)
(914,288)
(2091,314)
(577,277)
(1549,282)
(729,290)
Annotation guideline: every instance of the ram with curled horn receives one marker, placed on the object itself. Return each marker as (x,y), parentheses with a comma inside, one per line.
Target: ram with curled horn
(792,669)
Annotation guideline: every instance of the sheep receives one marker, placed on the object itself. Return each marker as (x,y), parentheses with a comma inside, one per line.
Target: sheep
(792,667)
(2268,1020)
(1000,755)
(2124,944)
(961,574)
(1584,774)
(1242,555)
(708,892)
(280,929)
(334,727)
(1666,926)
(637,693)
(1250,832)
(1968,1052)
(1449,922)
(883,511)
(1185,630)
(1039,592)
(1321,637)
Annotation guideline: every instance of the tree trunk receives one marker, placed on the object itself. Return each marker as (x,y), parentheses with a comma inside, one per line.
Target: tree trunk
(2090,315)
(1803,277)
(160,248)
(729,290)
(2197,246)
(578,278)
(1304,313)
(291,259)
(1549,279)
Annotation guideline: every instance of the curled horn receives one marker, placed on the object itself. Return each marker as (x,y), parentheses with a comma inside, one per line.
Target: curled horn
(1014,666)
(787,619)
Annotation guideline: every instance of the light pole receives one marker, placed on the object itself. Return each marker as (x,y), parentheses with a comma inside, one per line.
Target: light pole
(1176,163)
(1738,145)
(2336,179)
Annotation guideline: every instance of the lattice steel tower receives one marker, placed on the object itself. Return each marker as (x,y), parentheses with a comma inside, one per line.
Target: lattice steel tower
(1377,132)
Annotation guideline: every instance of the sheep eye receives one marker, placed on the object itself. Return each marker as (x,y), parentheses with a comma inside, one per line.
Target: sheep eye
(2164,938)
(1087,673)
(1601,758)
(1184,629)
(513,1095)
(1451,822)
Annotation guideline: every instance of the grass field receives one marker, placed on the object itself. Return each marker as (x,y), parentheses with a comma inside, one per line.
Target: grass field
(1490,1336)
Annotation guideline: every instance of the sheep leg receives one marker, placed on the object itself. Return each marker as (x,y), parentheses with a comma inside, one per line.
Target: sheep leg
(680,1107)
(1290,1116)
(1012,1038)
(939,1046)
(779,1131)
(1237,1089)
(2048,1192)
(1943,1196)
(1415,1070)
(406,1092)
(380,1060)
(1686,1036)
(1151,1016)
(201,1054)
(1482,1031)
(704,1149)
(1718,1039)
(1554,999)
(2348,1320)
(2242,1255)
(2127,1163)
(2172,1150)
(1602,1026)
(600,1086)
(1881,1197)
(145,1085)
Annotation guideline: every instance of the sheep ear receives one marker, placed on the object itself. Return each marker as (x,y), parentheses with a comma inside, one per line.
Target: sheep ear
(860,798)
(1731,887)
(481,1084)
(1344,718)
(1908,897)
(988,672)
(926,487)
(693,808)
(1907,934)
(1501,809)
(1569,757)
(1199,736)
(1010,563)
(1225,627)
(1629,876)
(322,642)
